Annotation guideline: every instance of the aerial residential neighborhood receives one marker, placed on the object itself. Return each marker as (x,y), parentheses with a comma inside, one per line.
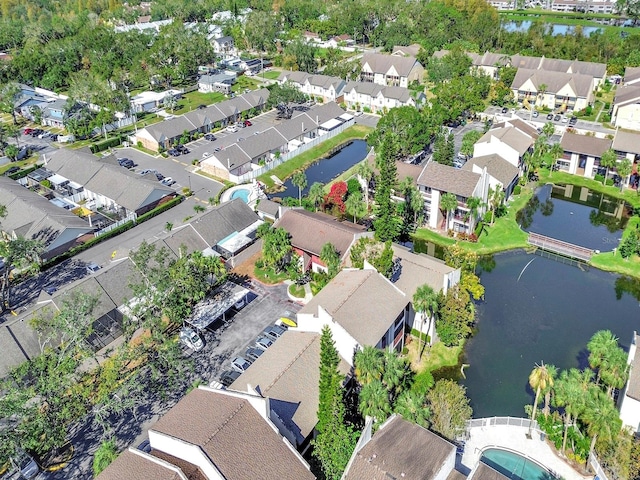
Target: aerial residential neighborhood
(333,240)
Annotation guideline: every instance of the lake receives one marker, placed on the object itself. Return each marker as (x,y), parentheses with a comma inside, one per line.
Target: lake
(537,309)
(328,168)
(556,29)
(576,215)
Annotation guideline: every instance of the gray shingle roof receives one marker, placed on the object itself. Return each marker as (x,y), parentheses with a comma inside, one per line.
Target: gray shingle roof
(18,343)
(231,157)
(364,88)
(401,449)
(627,141)
(218,223)
(33,216)
(268,207)
(186,237)
(584,144)
(296,126)
(411,50)
(520,125)
(348,299)
(555,81)
(633,389)
(127,189)
(627,94)
(310,231)
(448,179)
(256,146)
(233,435)
(171,128)
(516,139)
(497,167)
(322,113)
(418,269)
(381,63)
(631,74)
(288,373)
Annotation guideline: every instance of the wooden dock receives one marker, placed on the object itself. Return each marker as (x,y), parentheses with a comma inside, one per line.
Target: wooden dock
(561,248)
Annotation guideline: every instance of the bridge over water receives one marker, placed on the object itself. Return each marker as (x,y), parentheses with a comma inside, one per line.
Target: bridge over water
(559,247)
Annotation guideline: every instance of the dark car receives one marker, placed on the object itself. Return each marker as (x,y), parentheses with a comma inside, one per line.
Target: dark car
(200,107)
(173,152)
(253,353)
(573,120)
(504,110)
(210,136)
(36,132)
(228,377)
(180,148)
(11,170)
(550,116)
(557,118)
(126,163)
(159,176)
(273,331)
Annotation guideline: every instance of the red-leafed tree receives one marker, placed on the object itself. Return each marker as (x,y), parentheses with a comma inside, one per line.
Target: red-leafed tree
(336,196)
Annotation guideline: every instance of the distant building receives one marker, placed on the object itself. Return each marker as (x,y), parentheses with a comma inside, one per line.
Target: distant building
(629,399)
(391,70)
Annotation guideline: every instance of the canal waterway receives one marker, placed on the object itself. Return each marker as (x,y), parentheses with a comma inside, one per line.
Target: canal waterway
(556,29)
(328,168)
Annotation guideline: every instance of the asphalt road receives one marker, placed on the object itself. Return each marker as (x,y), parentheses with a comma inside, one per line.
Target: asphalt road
(222,345)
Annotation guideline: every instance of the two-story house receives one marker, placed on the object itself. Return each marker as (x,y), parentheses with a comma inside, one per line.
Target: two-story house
(391,70)
(510,140)
(329,88)
(629,399)
(378,98)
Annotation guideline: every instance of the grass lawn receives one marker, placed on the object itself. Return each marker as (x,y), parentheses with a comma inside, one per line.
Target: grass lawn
(270,75)
(296,290)
(504,234)
(433,358)
(191,101)
(244,82)
(269,276)
(287,169)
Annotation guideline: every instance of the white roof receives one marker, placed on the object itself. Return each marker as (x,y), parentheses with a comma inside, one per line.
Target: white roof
(331,124)
(346,116)
(57,179)
(207,311)
(146,97)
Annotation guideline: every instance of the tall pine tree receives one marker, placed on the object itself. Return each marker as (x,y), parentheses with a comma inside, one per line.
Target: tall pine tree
(335,440)
(386,224)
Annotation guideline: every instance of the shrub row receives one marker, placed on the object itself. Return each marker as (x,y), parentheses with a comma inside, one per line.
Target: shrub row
(23,173)
(106,144)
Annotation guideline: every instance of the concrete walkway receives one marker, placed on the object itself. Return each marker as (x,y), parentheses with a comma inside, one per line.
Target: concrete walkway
(514,438)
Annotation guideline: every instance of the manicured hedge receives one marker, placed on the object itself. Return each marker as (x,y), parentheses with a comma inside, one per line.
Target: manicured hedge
(106,144)
(23,173)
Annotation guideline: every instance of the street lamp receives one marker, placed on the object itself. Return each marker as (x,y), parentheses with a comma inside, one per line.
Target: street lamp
(189,177)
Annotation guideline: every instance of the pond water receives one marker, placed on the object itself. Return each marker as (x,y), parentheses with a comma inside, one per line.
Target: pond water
(576,215)
(538,309)
(556,29)
(326,169)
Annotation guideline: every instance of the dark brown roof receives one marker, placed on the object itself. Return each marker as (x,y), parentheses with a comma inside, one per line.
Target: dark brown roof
(233,435)
(585,144)
(136,465)
(310,231)
(456,475)
(402,450)
(448,179)
(497,167)
(633,390)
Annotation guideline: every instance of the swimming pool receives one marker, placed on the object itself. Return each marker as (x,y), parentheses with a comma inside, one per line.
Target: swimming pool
(514,466)
(241,193)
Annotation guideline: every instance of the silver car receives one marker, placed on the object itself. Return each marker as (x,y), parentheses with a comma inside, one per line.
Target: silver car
(191,339)
(240,364)
(264,342)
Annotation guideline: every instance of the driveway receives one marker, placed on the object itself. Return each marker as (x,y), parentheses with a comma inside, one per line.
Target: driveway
(221,346)
(368,119)
(178,168)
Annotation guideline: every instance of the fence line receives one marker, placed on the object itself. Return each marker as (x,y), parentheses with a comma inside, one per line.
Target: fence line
(128,218)
(525,422)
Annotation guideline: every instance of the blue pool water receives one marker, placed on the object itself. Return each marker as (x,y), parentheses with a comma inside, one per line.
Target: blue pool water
(513,465)
(242,193)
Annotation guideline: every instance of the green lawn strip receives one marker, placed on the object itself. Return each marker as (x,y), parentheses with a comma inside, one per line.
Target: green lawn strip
(296,290)
(613,262)
(270,75)
(343,177)
(287,169)
(269,276)
(504,234)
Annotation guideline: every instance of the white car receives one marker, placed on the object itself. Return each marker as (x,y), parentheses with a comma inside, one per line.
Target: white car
(191,339)
(232,129)
(357,114)
(206,154)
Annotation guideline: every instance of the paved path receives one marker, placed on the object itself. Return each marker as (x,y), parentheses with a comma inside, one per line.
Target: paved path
(514,438)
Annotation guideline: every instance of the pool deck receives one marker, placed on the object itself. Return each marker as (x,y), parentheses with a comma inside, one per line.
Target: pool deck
(253,193)
(514,438)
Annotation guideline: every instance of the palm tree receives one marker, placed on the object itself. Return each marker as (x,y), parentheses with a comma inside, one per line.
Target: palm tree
(299,179)
(548,129)
(425,302)
(602,418)
(542,89)
(355,206)
(394,374)
(368,365)
(365,172)
(448,202)
(539,379)
(608,160)
(556,151)
(624,169)
(474,204)
(411,406)
(569,395)
(495,200)
(374,401)
(316,194)
(553,373)
(600,346)
(615,370)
